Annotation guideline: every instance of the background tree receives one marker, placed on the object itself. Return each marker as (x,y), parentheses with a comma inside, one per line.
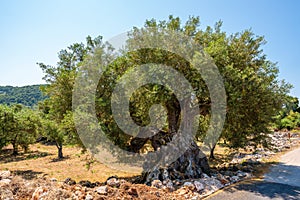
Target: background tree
(60,81)
(287,117)
(5,125)
(53,133)
(20,126)
(290,121)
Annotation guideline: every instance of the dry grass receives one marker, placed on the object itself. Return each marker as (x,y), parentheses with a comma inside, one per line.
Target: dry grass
(222,155)
(41,161)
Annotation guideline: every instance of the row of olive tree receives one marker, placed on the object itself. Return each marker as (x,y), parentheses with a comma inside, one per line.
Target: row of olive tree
(21,126)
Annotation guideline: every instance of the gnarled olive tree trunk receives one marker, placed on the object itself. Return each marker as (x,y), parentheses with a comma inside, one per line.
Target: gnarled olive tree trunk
(191,164)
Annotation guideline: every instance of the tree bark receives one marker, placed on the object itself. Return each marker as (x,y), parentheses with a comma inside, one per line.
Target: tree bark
(173,108)
(15,148)
(25,148)
(136,144)
(59,151)
(211,155)
(15,145)
(192,164)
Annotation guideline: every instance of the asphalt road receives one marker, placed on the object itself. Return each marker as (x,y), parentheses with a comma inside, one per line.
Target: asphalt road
(281,182)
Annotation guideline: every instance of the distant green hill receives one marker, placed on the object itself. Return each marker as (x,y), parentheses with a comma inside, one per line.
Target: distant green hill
(26,95)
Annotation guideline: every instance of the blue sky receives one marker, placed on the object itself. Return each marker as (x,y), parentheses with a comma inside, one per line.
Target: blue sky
(34,31)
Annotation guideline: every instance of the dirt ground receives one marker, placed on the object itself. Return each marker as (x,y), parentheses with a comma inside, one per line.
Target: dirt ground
(32,176)
(38,174)
(41,161)
(32,173)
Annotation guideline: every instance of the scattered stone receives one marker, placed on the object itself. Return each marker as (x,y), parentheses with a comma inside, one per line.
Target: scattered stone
(4,174)
(222,179)
(241,174)
(78,193)
(53,180)
(189,185)
(70,181)
(205,175)
(157,184)
(216,184)
(86,183)
(182,191)
(102,190)
(247,168)
(77,188)
(169,185)
(196,197)
(6,194)
(228,173)
(113,182)
(97,183)
(39,193)
(133,192)
(235,178)
(89,197)
(248,175)
(125,186)
(199,186)
(4,182)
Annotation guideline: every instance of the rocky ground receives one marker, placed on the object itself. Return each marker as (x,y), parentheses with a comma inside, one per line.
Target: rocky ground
(242,166)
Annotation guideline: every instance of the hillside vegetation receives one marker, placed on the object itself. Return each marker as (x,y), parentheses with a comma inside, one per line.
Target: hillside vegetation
(26,95)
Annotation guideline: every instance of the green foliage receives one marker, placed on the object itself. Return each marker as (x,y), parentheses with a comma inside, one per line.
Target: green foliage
(19,126)
(254,92)
(27,95)
(5,125)
(51,130)
(288,116)
(291,121)
(57,109)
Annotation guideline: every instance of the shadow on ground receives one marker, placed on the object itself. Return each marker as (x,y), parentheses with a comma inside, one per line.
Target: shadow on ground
(271,190)
(257,190)
(281,182)
(27,174)
(284,174)
(60,159)
(6,155)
